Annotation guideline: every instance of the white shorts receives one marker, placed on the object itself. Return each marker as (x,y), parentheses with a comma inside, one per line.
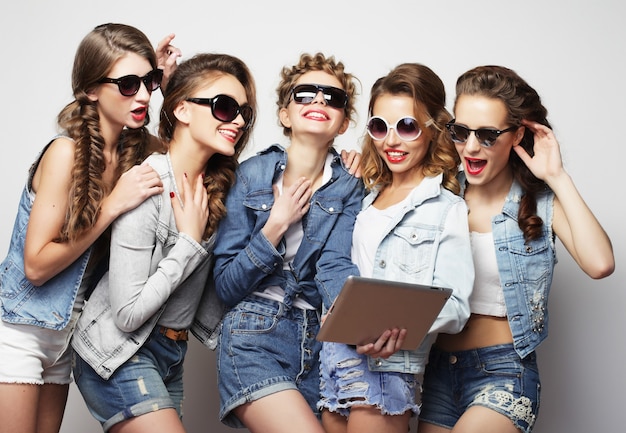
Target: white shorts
(34,355)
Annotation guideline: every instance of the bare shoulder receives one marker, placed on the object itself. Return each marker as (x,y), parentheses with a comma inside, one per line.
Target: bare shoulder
(56,163)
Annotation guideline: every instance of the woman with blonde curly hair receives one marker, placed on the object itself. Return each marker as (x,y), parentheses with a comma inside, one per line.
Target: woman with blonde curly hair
(82,181)
(412,228)
(283,252)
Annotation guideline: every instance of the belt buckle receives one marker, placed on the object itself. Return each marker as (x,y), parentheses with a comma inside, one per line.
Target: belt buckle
(173,334)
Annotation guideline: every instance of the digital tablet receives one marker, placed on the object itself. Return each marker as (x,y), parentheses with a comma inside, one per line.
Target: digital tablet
(366,307)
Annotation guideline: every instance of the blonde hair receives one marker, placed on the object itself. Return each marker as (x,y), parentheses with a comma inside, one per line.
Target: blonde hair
(317,62)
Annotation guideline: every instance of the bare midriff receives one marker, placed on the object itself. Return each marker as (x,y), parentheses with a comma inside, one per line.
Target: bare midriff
(480,331)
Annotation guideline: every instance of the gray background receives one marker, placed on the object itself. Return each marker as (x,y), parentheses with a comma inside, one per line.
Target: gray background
(572,52)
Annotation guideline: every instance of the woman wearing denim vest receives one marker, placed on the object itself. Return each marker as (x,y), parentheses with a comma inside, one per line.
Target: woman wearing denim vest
(75,189)
(485,379)
(131,339)
(412,228)
(283,252)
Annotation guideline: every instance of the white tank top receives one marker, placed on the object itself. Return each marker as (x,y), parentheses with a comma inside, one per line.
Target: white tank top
(487,296)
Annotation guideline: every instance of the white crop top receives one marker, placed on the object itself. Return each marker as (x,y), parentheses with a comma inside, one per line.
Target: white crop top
(487,296)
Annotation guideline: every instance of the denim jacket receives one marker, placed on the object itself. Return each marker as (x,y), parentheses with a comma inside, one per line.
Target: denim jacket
(526,269)
(427,243)
(245,261)
(47,306)
(150,264)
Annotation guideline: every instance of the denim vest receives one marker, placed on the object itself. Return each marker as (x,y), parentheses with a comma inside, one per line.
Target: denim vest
(427,242)
(245,261)
(47,306)
(526,269)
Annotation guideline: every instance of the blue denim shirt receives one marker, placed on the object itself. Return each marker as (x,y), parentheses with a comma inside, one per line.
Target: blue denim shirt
(152,267)
(427,243)
(245,261)
(47,306)
(526,269)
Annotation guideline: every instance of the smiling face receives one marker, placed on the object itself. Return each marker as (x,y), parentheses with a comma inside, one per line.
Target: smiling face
(212,134)
(485,165)
(404,158)
(316,119)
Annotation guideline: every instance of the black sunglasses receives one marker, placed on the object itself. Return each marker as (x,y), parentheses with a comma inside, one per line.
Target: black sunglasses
(226,109)
(486,136)
(130,84)
(306,93)
(406,128)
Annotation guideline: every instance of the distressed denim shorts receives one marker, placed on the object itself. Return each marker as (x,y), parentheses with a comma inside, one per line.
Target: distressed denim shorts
(265,348)
(494,377)
(149,381)
(35,355)
(346,381)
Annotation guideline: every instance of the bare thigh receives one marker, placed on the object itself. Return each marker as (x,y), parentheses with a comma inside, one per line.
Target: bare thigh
(369,419)
(33,408)
(424,427)
(282,412)
(160,421)
(479,419)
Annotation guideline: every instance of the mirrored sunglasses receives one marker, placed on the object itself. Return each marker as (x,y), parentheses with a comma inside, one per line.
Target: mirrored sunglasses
(225,109)
(306,93)
(129,85)
(406,128)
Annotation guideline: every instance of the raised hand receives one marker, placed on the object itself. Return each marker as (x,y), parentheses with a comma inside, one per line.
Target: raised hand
(546,163)
(167,55)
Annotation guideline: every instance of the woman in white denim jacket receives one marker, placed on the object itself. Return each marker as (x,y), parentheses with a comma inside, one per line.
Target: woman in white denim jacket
(130,341)
(412,228)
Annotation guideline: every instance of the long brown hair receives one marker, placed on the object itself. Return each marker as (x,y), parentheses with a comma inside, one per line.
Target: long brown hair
(428,93)
(190,76)
(521,102)
(94,58)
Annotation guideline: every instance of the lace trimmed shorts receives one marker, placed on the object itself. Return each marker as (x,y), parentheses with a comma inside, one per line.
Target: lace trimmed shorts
(494,377)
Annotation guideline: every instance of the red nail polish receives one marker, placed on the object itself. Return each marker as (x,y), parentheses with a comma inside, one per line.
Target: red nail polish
(171,194)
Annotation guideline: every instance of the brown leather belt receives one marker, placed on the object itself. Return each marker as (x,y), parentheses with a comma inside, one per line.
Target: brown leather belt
(172,334)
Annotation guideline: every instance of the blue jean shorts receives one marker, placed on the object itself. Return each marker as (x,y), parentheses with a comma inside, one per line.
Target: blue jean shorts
(149,381)
(494,377)
(265,348)
(346,381)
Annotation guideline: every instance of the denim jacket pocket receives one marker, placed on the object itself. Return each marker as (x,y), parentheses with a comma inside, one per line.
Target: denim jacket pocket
(14,285)
(260,201)
(166,235)
(322,217)
(532,257)
(414,253)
